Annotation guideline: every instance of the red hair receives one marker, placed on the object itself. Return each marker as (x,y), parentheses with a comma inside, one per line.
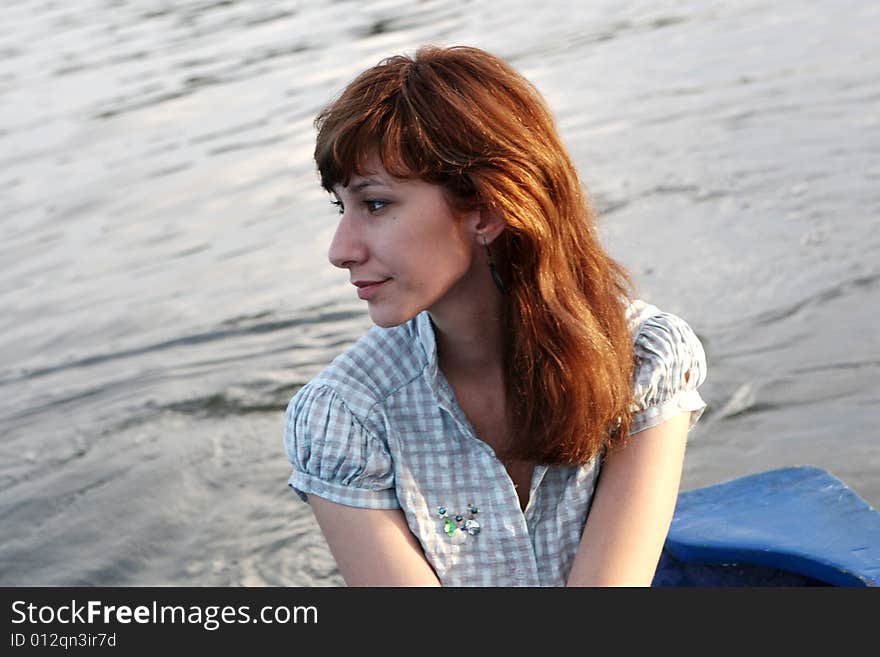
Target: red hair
(464,119)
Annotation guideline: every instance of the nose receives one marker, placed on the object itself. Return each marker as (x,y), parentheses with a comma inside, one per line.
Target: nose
(347,247)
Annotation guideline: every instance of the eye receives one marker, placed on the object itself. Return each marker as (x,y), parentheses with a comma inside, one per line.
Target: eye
(374,205)
(338,204)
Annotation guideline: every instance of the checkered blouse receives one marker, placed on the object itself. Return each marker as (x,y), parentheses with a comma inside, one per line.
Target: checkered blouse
(379,428)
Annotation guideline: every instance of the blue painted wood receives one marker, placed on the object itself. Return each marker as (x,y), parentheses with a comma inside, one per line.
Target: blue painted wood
(673,572)
(789,527)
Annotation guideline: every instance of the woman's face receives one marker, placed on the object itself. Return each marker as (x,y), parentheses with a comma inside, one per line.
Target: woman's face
(401,232)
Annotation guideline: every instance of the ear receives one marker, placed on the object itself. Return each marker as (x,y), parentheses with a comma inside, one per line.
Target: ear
(486,223)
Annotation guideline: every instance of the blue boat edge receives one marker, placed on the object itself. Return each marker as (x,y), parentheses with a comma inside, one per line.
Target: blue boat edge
(794,526)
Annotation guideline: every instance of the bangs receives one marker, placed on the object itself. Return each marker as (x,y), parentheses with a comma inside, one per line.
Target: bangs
(423,119)
(350,131)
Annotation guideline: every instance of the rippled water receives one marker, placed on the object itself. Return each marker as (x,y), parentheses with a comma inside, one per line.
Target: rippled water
(164,238)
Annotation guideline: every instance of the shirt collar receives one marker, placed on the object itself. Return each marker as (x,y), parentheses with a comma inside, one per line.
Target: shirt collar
(424,328)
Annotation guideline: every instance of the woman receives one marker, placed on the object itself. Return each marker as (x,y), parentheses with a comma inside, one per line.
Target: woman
(460,441)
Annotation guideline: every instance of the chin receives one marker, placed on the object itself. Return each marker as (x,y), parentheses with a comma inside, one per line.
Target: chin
(389,319)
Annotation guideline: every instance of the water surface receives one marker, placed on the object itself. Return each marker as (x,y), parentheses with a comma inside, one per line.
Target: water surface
(164,240)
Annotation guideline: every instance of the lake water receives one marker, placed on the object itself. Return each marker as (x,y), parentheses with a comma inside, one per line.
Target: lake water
(164,241)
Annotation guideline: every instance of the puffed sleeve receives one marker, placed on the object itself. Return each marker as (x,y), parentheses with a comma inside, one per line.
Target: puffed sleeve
(333,455)
(670,365)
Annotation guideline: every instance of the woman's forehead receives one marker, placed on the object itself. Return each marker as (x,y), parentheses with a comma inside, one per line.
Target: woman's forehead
(360,183)
(373,174)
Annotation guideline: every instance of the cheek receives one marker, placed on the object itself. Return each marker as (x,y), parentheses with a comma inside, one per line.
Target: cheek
(435,252)
(446,265)
(444,247)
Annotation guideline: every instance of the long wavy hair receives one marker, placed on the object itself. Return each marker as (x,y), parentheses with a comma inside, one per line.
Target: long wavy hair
(464,119)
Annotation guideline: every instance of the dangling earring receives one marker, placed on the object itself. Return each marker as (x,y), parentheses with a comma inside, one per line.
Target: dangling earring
(495,275)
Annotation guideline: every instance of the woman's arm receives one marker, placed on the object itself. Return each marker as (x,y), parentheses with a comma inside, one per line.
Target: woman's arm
(632,508)
(372,547)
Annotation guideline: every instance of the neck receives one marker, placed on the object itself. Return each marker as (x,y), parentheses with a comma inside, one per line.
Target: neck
(470,340)
(473,353)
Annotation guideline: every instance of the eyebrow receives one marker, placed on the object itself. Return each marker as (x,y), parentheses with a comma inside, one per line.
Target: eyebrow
(366,182)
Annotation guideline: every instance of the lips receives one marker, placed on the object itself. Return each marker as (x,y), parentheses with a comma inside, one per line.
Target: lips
(366,283)
(366,289)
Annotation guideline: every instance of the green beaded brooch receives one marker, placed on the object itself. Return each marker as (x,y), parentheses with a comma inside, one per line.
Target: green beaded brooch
(457,526)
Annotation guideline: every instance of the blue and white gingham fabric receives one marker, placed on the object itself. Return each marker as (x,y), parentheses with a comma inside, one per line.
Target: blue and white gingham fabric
(379,428)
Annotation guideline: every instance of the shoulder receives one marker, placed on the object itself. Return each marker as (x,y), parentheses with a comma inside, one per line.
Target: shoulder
(670,364)
(334,433)
(335,451)
(378,364)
